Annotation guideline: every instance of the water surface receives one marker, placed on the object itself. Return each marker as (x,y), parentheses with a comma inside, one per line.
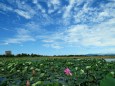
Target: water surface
(109,60)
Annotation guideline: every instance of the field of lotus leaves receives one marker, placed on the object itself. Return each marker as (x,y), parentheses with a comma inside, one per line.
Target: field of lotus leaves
(57,72)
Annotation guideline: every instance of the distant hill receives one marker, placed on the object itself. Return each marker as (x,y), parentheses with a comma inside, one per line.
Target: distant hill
(100,54)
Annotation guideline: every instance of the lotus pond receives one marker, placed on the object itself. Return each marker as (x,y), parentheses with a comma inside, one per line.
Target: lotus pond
(51,72)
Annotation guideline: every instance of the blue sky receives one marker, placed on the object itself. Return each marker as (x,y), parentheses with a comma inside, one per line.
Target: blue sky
(57,27)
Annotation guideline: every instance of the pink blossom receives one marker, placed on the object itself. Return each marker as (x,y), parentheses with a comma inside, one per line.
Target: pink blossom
(67,72)
(27,83)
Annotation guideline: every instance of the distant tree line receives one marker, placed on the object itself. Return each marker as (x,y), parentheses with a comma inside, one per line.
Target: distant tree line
(22,55)
(37,55)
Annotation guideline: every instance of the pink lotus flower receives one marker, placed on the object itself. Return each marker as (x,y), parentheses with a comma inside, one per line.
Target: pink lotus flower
(67,72)
(27,83)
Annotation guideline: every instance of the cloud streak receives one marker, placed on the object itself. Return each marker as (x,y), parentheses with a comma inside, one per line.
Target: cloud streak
(100,35)
(22,36)
(25,34)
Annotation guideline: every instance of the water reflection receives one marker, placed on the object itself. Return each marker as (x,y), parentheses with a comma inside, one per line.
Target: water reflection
(109,60)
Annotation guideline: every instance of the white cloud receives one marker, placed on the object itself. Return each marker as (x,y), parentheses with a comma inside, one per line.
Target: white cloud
(28,32)
(102,34)
(35,1)
(102,14)
(73,10)
(48,40)
(68,8)
(19,39)
(53,5)
(40,8)
(23,14)
(87,12)
(54,2)
(79,2)
(22,36)
(77,14)
(107,12)
(5,7)
(33,27)
(22,9)
(55,46)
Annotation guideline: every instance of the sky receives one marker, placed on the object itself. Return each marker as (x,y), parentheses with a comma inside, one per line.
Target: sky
(57,27)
